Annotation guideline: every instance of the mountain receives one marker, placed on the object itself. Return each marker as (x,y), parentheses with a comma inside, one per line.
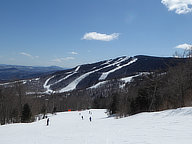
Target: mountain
(15,72)
(91,75)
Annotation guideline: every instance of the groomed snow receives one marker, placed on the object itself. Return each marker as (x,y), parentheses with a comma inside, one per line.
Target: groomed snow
(98,84)
(46,86)
(74,83)
(130,78)
(166,127)
(105,74)
(78,67)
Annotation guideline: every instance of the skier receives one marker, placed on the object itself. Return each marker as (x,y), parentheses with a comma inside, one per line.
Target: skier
(90,119)
(47,121)
(82,117)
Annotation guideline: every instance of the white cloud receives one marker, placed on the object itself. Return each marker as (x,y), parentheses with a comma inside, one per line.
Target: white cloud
(179,6)
(99,36)
(59,60)
(26,54)
(73,53)
(184,46)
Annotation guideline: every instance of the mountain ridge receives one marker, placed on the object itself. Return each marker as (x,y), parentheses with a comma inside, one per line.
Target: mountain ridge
(87,75)
(17,72)
(98,73)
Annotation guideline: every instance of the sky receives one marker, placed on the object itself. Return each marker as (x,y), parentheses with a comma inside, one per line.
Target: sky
(68,33)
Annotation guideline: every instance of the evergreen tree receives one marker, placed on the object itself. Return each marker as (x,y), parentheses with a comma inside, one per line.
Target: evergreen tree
(54,110)
(43,111)
(26,114)
(113,107)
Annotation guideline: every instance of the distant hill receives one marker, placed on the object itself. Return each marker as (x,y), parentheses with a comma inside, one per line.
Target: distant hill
(16,72)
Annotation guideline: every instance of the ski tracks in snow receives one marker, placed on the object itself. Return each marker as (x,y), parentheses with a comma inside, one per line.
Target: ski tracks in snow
(71,86)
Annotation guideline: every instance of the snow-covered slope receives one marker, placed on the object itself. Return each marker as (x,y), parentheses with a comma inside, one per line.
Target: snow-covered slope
(89,75)
(166,127)
(102,70)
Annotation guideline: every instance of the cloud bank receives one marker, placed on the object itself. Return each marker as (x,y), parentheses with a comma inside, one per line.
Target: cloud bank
(184,46)
(179,6)
(99,36)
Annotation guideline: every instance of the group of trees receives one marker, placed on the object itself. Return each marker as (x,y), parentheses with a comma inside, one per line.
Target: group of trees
(16,106)
(155,91)
(13,105)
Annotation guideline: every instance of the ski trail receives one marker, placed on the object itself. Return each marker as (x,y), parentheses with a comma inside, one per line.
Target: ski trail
(73,84)
(105,74)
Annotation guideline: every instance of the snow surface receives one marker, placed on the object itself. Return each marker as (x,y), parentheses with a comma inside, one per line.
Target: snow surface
(78,67)
(19,81)
(105,74)
(130,78)
(46,86)
(166,127)
(98,84)
(71,86)
(74,83)
(8,83)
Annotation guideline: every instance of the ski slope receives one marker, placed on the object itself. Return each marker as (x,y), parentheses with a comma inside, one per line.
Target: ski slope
(166,127)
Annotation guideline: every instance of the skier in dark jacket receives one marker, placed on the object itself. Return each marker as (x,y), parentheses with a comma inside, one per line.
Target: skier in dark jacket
(47,121)
(90,119)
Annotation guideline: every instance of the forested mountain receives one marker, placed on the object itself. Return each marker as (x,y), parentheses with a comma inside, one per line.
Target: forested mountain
(96,74)
(124,86)
(90,75)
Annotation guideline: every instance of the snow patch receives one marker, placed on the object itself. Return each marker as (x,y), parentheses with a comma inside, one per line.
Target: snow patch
(107,62)
(19,81)
(74,84)
(46,86)
(77,68)
(105,74)
(130,78)
(98,84)
(127,79)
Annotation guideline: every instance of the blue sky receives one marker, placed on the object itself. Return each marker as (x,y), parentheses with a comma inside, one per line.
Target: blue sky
(72,32)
